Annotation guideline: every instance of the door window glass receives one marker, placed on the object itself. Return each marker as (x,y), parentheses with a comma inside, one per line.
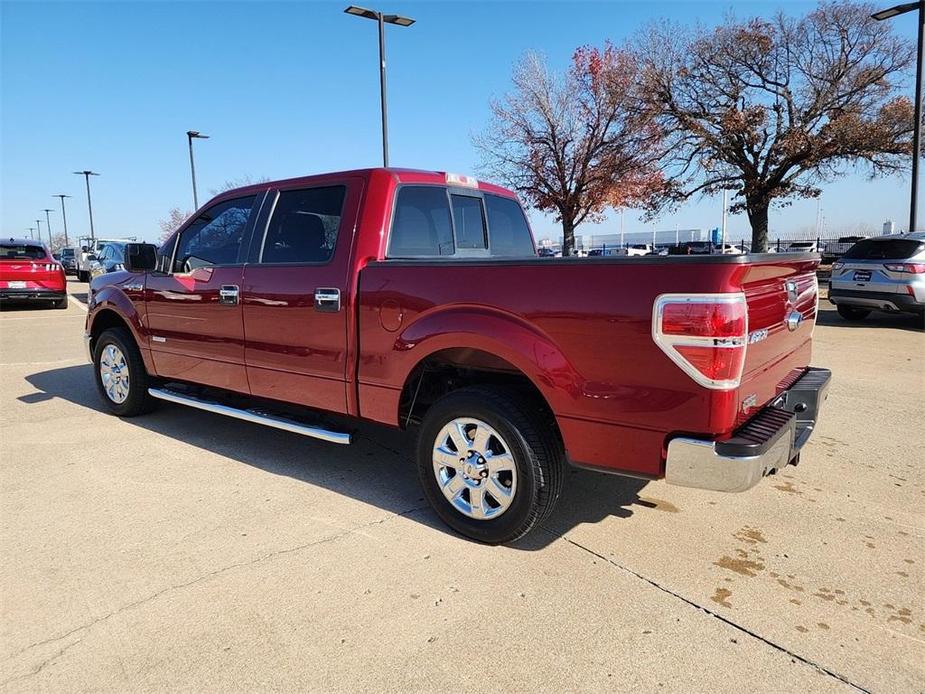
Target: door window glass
(215,237)
(304,226)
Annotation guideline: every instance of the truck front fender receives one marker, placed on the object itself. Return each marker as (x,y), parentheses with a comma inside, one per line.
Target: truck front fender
(110,307)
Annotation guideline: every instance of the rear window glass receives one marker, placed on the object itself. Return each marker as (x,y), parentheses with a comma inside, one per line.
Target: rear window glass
(304,226)
(510,235)
(892,249)
(11,251)
(422,226)
(469,222)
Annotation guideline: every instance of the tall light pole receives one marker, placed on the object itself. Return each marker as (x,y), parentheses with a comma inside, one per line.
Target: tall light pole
(63,215)
(38,226)
(48,224)
(917,125)
(31,235)
(190,136)
(382,19)
(86,175)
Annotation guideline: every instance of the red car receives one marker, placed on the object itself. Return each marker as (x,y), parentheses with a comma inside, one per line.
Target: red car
(416,299)
(28,272)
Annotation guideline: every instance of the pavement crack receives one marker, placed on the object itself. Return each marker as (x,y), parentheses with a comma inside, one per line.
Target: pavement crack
(43,664)
(716,615)
(199,579)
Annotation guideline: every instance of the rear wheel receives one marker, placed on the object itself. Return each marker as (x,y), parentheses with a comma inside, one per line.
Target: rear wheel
(490,462)
(852,312)
(120,374)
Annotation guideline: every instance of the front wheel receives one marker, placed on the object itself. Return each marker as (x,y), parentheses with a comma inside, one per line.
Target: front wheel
(491,463)
(852,312)
(120,374)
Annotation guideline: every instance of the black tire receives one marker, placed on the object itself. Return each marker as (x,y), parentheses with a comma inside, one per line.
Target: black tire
(137,401)
(529,432)
(60,303)
(852,312)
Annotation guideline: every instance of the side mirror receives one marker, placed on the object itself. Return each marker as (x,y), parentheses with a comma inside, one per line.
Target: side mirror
(140,257)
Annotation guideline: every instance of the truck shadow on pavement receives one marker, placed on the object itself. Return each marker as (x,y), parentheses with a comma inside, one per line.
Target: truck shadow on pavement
(354,471)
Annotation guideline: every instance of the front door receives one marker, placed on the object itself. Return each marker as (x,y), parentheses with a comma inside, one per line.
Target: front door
(296,296)
(194,308)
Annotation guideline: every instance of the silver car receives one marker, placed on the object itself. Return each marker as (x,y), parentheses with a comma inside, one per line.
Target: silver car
(882,273)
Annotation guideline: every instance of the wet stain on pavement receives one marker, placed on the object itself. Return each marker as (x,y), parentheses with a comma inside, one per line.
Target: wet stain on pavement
(750,535)
(721,597)
(746,567)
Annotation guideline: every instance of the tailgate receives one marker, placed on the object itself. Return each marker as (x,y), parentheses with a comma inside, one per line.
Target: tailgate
(782,297)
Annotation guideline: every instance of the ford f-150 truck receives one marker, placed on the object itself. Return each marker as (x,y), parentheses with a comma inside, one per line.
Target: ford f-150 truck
(416,299)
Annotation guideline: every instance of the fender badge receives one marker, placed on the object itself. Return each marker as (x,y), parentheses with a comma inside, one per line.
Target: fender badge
(757,336)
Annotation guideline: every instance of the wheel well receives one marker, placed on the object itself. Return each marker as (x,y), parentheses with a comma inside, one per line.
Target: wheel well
(105,320)
(452,369)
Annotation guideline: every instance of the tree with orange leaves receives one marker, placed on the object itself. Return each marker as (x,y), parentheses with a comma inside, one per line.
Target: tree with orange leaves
(771,108)
(573,144)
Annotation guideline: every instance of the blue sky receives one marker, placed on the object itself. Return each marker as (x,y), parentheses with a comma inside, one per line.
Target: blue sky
(290,88)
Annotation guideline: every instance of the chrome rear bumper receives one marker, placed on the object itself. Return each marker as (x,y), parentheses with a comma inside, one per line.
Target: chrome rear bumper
(766,443)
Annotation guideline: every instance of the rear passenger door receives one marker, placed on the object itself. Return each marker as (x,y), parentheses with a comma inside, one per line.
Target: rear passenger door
(296,295)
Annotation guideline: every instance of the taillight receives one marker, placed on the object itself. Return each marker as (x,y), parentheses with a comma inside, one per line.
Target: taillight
(704,334)
(46,267)
(913,268)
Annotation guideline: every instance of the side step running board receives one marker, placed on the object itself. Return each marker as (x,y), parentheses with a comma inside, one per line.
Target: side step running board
(250,416)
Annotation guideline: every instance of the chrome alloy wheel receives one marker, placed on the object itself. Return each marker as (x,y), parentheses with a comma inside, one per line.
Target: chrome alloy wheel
(114,374)
(474,468)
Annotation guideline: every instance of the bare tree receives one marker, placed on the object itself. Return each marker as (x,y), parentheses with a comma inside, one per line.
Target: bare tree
(241,182)
(573,143)
(173,221)
(769,109)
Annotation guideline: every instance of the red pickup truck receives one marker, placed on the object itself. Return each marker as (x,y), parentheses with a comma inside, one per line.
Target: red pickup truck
(416,299)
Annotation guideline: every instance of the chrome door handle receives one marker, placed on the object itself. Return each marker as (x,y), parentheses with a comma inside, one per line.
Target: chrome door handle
(228,294)
(327,300)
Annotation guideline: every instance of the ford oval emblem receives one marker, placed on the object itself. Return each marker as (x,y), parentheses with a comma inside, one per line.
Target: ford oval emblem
(794,319)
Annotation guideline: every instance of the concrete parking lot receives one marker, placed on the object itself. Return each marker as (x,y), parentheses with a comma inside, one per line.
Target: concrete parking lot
(183,551)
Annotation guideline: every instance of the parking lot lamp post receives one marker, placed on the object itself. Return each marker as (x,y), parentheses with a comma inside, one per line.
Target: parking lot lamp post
(382,19)
(86,175)
(38,226)
(889,13)
(63,215)
(190,136)
(48,224)
(31,235)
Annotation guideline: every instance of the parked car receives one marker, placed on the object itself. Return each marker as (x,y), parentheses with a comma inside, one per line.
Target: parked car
(28,272)
(883,273)
(802,247)
(110,259)
(69,261)
(636,249)
(89,254)
(836,249)
(546,253)
(416,299)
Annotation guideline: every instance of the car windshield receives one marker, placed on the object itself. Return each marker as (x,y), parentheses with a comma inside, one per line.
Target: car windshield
(885,249)
(67,252)
(802,244)
(12,251)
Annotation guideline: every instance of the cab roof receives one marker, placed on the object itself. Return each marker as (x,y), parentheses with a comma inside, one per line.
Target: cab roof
(399,175)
